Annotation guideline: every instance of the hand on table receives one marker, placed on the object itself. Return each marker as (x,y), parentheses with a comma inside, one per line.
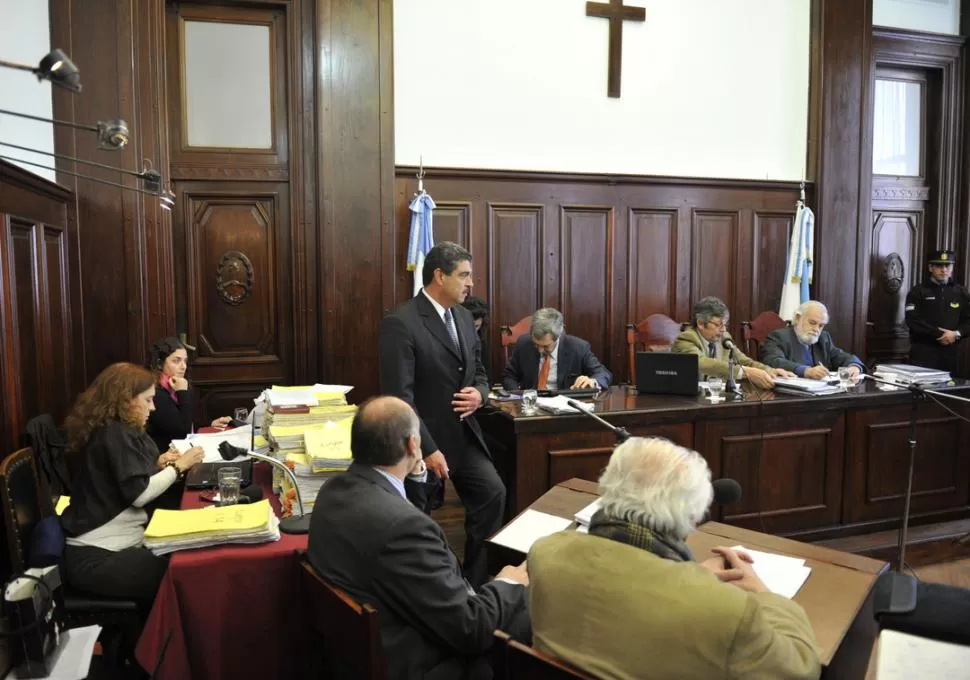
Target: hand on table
(584,382)
(759,378)
(221,423)
(737,569)
(817,372)
(190,458)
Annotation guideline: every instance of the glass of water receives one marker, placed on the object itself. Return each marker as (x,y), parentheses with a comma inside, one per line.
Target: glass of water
(845,376)
(240,414)
(229,480)
(530,401)
(715,386)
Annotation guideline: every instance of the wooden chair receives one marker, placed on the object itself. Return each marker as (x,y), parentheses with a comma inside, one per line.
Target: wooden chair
(522,662)
(756,331)
(349,632)
(511,334)
(656,333)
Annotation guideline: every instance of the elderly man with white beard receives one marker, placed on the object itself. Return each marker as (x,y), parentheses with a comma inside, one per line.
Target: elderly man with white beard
(806,348)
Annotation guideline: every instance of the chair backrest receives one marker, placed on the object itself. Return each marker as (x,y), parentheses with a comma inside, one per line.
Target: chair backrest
(349,631)
(656,333)
(20,494)
(525,663)
(756,331)
(511,334)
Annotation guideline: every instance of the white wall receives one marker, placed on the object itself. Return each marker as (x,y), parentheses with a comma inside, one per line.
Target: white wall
(25,38)
(711,88)
(934,16)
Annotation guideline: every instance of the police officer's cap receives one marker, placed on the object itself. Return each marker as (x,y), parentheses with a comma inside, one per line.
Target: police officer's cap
(942,257)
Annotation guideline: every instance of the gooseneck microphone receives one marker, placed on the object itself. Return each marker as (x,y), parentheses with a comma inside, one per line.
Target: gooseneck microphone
(726,491)
(729,384)
(621,433)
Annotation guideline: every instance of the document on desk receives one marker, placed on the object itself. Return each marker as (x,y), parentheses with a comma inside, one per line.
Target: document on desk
(782,574)
(241,437)
(560,404)
(902,656)
(528,528)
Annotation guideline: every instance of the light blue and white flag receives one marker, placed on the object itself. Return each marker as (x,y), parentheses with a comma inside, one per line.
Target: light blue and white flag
(421,239)
(798,272)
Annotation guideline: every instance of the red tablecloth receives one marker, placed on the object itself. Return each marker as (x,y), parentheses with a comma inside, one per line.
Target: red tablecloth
(233,611)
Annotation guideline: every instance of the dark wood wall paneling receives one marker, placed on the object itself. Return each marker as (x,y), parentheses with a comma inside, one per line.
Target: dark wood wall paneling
(607,250)
(40,320)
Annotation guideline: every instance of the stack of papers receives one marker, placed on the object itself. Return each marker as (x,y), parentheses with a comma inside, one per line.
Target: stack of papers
(559,404)
(782,575)
(585,516)
(805,386)
(171,530)
(906,374)
(528,528)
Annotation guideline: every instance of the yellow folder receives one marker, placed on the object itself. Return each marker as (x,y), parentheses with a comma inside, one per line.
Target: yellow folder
(225,520)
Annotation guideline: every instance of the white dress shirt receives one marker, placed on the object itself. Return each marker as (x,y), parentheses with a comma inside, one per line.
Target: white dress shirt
(437,307)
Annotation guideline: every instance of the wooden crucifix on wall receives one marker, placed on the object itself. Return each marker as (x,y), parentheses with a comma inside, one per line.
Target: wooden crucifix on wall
(617,13)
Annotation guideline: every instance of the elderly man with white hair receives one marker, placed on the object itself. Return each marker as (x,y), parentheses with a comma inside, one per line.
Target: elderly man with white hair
(628,600)
(806,348)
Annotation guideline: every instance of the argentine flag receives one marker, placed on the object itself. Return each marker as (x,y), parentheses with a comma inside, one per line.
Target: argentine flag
(421,239)
(798,272)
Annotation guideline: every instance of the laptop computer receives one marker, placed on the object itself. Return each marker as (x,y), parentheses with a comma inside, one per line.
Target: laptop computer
(666,373)
(206,475)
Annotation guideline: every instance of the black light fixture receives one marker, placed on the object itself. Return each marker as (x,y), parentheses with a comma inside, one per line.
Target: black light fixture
(112,134)
(151,178)
(56,67)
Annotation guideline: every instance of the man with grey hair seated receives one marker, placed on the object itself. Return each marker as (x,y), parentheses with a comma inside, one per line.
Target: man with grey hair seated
(705,339)
(806,347)
(548,359)
(628,600)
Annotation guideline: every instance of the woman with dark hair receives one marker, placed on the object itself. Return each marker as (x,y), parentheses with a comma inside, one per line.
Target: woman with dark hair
(174,403)
(479,309)
(119,473)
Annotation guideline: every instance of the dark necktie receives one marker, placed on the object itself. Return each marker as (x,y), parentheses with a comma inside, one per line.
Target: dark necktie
(452,331)
(711,349)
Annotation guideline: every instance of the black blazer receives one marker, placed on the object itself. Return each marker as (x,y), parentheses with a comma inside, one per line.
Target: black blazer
(170,420)
(419,364)
(575,358)
(380,549)
(783,350)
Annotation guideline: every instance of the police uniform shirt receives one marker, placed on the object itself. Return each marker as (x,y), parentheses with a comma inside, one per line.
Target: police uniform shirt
(931,306)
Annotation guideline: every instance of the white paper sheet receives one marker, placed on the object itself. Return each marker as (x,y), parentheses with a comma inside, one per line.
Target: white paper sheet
(73,655)
(237,436)
(903,656)
(781,574)
(528,528)
(560,404)
(585,515)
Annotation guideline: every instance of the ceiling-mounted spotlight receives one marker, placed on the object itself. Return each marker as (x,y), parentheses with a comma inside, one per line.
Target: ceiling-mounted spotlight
(112,134)
(56,67)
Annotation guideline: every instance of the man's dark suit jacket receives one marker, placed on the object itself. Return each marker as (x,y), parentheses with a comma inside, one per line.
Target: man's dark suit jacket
(380,549)
(575,358)
(419,364)
(783,350)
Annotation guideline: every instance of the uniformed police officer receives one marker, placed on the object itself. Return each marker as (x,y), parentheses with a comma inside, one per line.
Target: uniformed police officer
(938,316)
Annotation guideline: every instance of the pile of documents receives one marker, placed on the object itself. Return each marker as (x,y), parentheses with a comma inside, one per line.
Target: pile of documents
(171,530)
(906,374)
(806,386)
(307,428)
(560,404)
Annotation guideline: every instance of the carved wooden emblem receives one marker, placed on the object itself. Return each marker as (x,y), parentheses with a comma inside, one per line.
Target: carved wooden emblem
(893,273)
(234,277)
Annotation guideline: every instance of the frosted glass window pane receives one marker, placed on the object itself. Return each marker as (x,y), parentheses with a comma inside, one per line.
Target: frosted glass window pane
(896,128)
(227,85)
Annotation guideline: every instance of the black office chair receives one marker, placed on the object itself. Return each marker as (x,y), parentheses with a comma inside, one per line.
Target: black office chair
(23,508)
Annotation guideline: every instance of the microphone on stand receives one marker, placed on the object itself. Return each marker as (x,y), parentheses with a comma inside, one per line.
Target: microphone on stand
(726,491)
(729,384)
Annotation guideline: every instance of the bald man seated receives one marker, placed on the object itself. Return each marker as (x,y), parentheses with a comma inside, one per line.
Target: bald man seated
(806,348)
(366,538)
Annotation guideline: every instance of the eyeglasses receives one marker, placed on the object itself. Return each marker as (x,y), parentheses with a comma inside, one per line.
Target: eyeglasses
(718,325)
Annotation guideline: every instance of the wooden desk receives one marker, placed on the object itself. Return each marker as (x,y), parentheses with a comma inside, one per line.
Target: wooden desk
(837,595)
(812,467)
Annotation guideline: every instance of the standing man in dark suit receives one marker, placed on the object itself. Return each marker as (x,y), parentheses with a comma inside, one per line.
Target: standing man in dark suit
(430,357)
(938,316)
(548,359)
(367,539)
(806,348)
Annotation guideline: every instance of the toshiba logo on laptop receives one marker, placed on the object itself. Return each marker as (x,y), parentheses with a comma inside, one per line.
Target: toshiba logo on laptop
(662,372)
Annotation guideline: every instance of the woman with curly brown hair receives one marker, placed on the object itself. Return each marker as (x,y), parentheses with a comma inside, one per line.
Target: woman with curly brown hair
(119,471)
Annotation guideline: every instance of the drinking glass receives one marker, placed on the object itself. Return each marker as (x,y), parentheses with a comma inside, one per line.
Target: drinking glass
(715,386)
(240,414)
(530,401)
(229,480)
(845,376)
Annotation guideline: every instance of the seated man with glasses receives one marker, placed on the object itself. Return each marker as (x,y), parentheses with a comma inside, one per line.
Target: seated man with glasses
(705,339)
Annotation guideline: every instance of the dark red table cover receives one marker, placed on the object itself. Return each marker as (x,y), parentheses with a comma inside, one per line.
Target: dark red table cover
(233,611)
